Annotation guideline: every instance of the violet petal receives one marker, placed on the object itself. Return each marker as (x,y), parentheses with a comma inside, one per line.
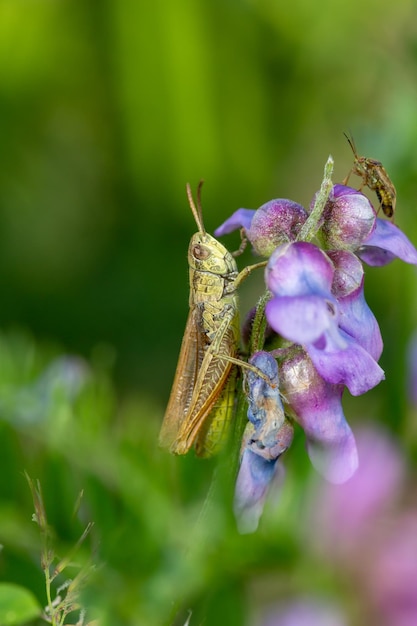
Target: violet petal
(317,407)
(353,366)
(242,218)
(252,484)
(358,321)
(391,242)
(299,268)
(300,319)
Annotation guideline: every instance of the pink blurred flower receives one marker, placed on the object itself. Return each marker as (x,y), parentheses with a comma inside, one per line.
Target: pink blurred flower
(345,514)
(309,612)
(392,573)
(364,528)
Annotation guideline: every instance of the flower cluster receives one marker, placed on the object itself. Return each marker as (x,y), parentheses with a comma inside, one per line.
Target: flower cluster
(325,336)
(267,435)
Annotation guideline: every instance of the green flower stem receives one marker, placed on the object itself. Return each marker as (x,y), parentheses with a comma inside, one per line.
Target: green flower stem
(310,227)
(257,338)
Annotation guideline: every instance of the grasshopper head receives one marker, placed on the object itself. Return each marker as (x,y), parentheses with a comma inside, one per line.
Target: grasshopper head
(206,254)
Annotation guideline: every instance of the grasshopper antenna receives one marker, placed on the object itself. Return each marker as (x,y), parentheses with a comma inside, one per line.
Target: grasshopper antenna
(196,210)
(355,154)
(351,143)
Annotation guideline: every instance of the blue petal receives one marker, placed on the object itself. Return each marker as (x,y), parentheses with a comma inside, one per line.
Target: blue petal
(299,268)
(263,395)
(253,481)
(352,366)
(386,243)
(334,453)
(300,319)
(358,321)
(242,218)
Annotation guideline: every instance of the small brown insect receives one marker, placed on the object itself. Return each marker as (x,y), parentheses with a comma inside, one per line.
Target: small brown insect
(375,177)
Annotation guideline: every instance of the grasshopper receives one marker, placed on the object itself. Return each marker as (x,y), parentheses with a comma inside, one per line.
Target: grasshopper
(201,403)
(375,177)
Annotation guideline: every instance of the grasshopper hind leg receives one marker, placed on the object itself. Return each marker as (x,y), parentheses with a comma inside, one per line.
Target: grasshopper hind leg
(215,430)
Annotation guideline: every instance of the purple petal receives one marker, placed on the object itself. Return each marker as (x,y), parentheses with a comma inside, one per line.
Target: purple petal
(341,191)
(334,456)
(318,409)
(375,257)
(355,316)
(299,268)
(352,366)
(386,243)
(300,319)
(358,321)
(242,218)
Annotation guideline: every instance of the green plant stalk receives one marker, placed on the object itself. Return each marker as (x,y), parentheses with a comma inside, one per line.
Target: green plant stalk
(310,227)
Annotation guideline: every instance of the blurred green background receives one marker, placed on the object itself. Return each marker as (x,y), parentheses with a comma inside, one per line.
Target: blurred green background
(107,109)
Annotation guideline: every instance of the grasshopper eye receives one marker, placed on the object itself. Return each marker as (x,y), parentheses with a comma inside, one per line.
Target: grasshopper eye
(200,252)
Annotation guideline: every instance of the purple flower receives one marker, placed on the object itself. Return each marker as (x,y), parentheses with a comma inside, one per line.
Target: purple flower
(267,436)
(274,223)
(304,310)
(316,405)
(300,276)
(386,243)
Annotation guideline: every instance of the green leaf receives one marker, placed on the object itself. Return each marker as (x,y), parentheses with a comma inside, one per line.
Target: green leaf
(17,605)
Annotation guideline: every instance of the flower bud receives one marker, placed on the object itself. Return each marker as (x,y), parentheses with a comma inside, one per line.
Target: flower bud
(276,222)
(349,218)
(348,273)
